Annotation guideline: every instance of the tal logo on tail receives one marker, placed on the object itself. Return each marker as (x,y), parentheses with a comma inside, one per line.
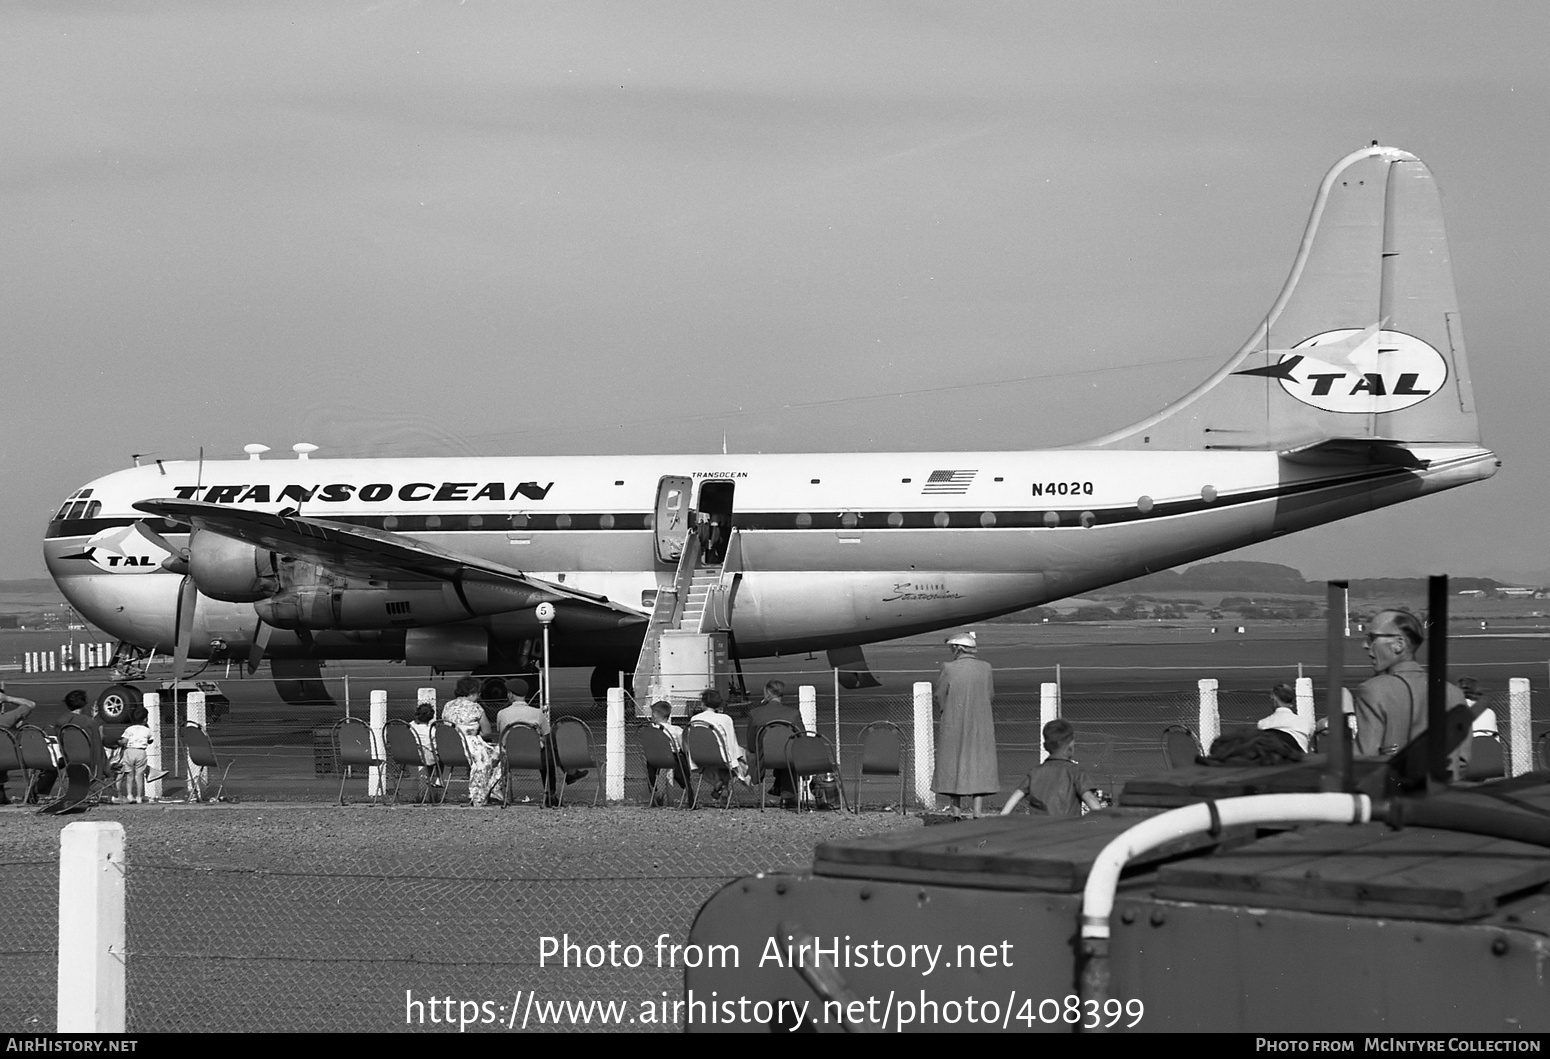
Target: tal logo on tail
(1358,371)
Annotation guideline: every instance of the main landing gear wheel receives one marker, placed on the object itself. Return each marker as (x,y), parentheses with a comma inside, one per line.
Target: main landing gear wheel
(603,679)
(118,702)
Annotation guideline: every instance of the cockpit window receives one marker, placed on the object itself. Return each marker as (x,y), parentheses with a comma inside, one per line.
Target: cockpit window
(74,509)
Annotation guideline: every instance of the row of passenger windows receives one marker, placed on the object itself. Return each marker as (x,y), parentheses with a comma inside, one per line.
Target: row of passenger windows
(89,509)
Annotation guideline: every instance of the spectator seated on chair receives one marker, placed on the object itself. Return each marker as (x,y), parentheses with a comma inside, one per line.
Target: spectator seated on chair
(430,769)
(713,714)
(519,711)
(1285,719)
(13,711)
(464,712)
(772,708)
(662,718)
(49,718)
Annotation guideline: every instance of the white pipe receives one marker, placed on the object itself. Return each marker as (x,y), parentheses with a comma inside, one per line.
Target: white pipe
(1102,880)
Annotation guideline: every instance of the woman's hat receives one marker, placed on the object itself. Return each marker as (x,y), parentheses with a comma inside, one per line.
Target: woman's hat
(963,639)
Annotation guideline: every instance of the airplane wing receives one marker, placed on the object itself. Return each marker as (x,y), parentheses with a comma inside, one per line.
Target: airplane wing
(357,551)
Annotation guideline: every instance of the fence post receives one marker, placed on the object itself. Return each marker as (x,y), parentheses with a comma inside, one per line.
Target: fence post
(838,765)
(807,705)
(376,776)
(1210,717)
(91,928)
(924,736)
(613,767)
(1049,709)
(1519,725)
(196,773)
(152,704)
(1305,703)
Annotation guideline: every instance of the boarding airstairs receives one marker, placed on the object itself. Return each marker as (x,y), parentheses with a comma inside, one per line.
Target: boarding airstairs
(685,649)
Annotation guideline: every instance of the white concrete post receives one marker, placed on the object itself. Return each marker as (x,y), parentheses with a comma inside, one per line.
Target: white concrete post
(80,653)
(613,765)
(376,775)
(807,706)
(427,696)
(1049,709)
(152,704)
(1519,726)
(924,735)
(91,928)
(1210,717)
(1305,703)
(196,774)
(27,662)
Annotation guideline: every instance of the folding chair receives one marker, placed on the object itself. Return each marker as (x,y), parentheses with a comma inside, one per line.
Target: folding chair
(403,750)
(811,755)
(201,754)
(11,761)
(1487,758)
(664,760)
(451,755)
(707,751)
(570,748)
(773,741)
(39,755)
(77,746)
(1180,747)
(882,754)
(523,745)
(356,746)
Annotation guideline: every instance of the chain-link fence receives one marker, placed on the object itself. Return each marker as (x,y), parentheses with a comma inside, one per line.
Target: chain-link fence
(279,751)
(253,918)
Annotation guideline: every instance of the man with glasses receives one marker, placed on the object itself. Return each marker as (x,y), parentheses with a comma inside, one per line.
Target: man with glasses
(1391,705)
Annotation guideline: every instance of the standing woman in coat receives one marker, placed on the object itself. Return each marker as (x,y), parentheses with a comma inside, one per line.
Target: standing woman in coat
(966,764)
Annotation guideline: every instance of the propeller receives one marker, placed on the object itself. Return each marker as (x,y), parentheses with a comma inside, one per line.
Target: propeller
(261,633)
(188,595)
(177,558)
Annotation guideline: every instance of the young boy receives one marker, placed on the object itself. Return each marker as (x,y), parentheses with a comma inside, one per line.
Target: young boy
(1059,787)
(662,717)
(136,738)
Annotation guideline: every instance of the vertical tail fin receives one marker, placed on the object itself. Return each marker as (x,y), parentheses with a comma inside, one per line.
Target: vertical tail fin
(1364,341)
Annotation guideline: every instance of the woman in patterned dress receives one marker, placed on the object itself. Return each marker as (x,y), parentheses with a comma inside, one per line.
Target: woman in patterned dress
(484,758)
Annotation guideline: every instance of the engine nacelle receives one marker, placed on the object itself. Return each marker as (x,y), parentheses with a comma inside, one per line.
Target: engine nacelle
(339,604)
(447,646)
(230,570)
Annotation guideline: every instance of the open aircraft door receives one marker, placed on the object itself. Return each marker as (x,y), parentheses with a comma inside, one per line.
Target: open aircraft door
(674,519)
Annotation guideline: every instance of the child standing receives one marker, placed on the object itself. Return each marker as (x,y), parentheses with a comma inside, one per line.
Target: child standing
(1059,787)
(136,738)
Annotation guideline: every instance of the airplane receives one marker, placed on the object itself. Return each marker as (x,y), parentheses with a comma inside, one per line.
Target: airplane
(1352,394)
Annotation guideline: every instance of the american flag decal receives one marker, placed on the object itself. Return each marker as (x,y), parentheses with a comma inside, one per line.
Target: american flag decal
(948,482)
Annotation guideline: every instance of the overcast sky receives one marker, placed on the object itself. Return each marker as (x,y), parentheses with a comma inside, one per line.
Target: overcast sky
(500,228)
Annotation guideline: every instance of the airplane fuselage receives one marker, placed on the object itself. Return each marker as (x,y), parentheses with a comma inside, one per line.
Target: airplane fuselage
(834,549)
